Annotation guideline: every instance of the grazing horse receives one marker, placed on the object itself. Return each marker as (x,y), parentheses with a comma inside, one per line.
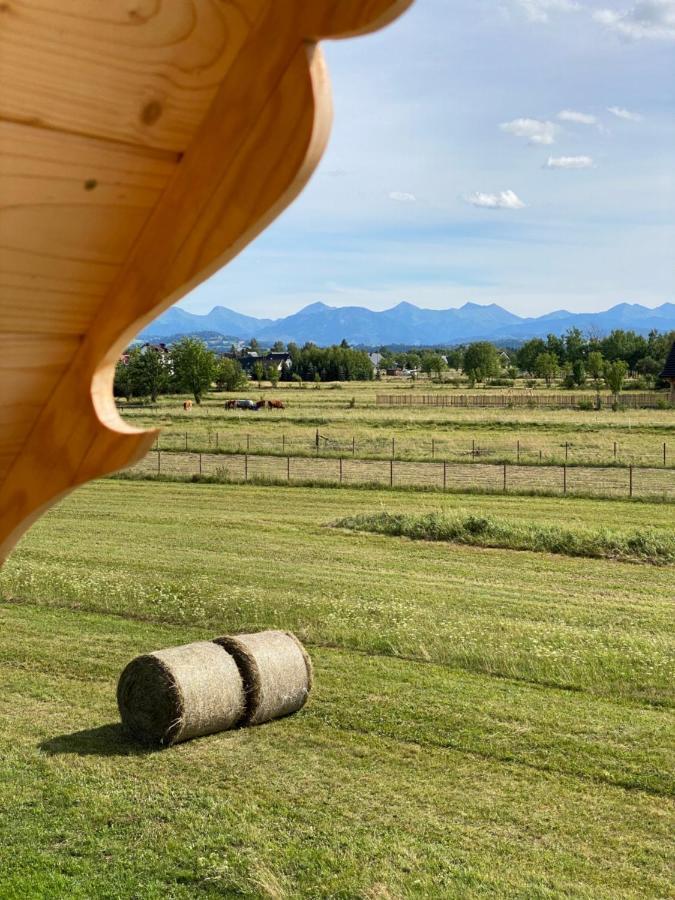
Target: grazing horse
(231,404)
(187,406)
(260,404)
(275,404)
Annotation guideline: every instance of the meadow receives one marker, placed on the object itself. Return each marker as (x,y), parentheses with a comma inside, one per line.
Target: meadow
(486,721)
(348,420)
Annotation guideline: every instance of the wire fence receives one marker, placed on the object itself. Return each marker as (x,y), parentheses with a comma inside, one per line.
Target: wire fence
(597,481)
(523,399)
(529,450)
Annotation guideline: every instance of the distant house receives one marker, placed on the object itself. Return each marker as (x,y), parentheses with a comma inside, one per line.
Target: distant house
(376,360)
(281,361)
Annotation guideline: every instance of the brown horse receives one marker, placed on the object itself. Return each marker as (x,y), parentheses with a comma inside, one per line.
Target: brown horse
(260,404)
(275,404)
(187,406)
(231,404)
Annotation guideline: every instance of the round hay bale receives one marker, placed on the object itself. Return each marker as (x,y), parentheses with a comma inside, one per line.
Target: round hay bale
(276,670)
(172,695)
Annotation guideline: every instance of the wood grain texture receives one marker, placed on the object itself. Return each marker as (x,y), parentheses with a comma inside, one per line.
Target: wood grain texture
(70,211)
(137,71)
(104,227)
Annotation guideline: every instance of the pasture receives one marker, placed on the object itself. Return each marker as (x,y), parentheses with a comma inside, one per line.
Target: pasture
(486,722)
(348,420)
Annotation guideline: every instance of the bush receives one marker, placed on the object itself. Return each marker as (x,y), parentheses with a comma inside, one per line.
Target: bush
(586,405)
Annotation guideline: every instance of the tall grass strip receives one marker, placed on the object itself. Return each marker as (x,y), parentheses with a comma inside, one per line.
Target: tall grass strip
(644,546)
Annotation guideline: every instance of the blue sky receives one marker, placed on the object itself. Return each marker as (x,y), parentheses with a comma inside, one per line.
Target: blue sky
(520,152)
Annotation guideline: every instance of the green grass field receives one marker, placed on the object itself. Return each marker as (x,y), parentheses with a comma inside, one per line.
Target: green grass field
(486,722)
(457,434)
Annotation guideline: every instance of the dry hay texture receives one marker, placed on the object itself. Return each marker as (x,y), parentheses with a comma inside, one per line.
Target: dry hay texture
(172,695)
(277,672)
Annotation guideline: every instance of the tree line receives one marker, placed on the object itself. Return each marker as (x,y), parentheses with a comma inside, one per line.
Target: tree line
(188,366)
(573,358)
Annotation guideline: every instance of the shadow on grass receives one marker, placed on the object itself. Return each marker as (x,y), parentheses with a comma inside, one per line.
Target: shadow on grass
(106,740)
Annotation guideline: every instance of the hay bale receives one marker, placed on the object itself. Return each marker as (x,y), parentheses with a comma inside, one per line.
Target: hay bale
(276,670)
(180,693)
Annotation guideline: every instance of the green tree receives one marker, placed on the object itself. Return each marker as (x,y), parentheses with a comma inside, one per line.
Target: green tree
(193,366)
(433,362)
(272,374)
(123,383)
(615,373)
(575,345)
(278,347)
(546,366)
(253,344)
(259,372)
(455,358)
(481,361)
(527,355)
(229,375)
(149,373)
(579,372)
(595,365)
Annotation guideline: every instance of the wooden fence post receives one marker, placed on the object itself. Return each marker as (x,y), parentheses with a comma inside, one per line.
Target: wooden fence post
(246,467)
(630,481)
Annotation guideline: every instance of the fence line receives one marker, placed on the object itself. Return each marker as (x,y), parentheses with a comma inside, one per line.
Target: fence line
(442,475)
(644,400)
(394,447)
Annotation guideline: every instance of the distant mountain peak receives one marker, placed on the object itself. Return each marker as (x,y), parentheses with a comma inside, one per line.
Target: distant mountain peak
(406,323)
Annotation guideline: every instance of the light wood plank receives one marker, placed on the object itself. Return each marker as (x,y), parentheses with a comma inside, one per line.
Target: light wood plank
(138,71)
(70,210)
(254,150)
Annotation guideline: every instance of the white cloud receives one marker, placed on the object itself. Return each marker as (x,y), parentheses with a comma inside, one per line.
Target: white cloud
(569,162)
(536,131)
(402,197)
(622,113)
(501,200)
(645,19)
(579,118)
(540,10)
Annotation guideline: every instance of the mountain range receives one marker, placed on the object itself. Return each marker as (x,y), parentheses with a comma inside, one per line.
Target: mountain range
(407,324)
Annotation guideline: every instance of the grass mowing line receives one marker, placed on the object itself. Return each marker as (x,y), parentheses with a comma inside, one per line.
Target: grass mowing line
(506,760)
(385,699)
(542,684)
(662,706)
(645,546)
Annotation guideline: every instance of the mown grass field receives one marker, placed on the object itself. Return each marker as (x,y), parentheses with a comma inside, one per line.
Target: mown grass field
(459,434)
(486,722)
